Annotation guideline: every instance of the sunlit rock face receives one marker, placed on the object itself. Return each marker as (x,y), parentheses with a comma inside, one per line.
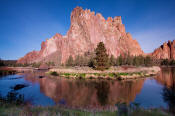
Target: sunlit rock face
(165,51)
(87,29)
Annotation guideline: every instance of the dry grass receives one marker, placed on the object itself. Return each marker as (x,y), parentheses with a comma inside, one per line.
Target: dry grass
(111,70)
(112,73)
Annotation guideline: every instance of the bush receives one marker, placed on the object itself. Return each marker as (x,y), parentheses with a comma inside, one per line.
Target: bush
(54,73)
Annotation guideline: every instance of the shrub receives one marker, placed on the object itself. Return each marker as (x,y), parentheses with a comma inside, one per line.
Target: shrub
(54,73)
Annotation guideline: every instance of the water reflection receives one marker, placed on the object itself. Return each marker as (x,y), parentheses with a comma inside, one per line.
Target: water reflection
(89,93)
(167,78)
(94,94)
(102,92)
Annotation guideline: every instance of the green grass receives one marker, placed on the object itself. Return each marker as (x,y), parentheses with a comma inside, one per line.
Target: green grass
(124,74)
(96,75)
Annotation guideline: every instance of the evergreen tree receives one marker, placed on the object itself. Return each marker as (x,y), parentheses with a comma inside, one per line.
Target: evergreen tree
(77,61)
(70,61)
(148,61)
(91,62)
(172,62)
(102,60)
(135,61)
(112,60)
(120,60)
(1,62)
(165,62)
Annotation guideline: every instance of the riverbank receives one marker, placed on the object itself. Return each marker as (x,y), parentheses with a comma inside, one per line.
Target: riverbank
(24,110)
(120,73)
(7,71)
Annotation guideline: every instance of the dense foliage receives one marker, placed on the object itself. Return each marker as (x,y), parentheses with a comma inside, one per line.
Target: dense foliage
(132,60)
(168,62)
(99,59)
(1,63)
(81,60)
(7,62)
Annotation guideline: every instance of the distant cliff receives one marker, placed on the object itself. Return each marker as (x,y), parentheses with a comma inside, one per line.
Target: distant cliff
(165,51)
(87,29)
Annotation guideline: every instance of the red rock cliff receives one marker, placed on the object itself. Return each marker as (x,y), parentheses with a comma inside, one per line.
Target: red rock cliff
(87,29)
(165,51)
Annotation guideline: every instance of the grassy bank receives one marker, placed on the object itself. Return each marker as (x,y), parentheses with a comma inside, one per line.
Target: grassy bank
(13,110)
(119,73)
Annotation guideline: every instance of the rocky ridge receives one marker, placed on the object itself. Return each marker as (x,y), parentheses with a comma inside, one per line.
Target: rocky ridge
(165,51)
(87,29)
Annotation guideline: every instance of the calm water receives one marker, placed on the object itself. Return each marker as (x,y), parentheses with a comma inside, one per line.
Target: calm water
(148,92)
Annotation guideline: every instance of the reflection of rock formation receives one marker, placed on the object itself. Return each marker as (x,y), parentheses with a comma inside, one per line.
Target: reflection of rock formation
(167,78)
(89,94)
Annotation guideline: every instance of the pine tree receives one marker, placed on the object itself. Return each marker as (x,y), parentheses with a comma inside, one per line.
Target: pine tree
(120,58)
(77,61)
(102,60)
(112,60)
(148,61)
(70,61)
(1,62)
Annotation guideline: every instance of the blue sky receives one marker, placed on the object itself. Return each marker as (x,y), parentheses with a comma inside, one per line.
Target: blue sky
(26,23)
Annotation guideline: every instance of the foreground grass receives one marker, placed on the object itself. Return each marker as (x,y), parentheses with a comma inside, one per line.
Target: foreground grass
(56,111)
(23,110)
(48,111)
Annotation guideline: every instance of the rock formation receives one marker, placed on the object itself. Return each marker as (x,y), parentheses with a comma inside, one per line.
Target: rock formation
(87,29)
(165,51)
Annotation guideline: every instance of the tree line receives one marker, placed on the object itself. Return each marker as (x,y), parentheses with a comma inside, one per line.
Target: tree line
(101,60)
(168,62)
(7,62)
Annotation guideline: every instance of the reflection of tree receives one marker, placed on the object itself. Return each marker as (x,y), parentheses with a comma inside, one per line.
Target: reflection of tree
(102,92)
(169,92)
(169,97)
(12,98)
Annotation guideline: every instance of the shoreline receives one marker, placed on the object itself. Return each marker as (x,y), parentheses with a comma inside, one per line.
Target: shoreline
(116,73)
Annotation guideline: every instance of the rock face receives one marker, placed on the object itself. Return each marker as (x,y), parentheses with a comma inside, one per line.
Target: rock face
(165,51)
(87,29)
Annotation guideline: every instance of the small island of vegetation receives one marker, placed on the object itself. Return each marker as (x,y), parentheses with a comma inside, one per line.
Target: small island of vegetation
(99,65)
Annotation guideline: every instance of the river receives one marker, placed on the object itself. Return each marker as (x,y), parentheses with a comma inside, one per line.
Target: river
(152,92)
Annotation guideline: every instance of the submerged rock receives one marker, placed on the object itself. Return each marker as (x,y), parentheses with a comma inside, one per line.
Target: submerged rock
(19,86)
(40,76)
